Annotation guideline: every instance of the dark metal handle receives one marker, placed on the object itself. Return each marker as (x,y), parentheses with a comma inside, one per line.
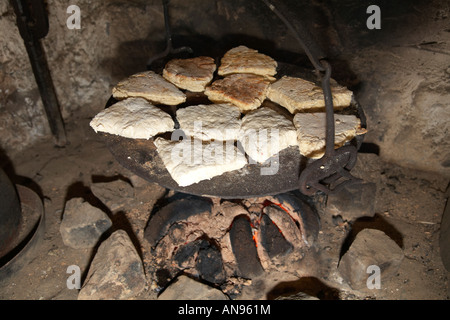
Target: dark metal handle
(32,19)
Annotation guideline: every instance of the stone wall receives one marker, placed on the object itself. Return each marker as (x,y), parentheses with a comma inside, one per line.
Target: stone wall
(404,86)
(404,89)
(21,116)
(84,63)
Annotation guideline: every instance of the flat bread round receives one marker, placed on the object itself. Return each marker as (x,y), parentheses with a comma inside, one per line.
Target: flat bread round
(311,132)
(151,86)
(296,94)
(190,160)
(247,91)
(210,122)
(134,118)
(190,74)
(245,60)
(264,133)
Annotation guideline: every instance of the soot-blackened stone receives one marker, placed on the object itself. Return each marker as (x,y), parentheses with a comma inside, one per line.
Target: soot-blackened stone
(244,248)
(163,277)
(179,210)
(306,212)
(186,252)
(210,264)
(272,239)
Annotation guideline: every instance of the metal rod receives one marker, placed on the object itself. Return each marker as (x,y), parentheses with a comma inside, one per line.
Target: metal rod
(301,40)
(47,91)
(334,164)
(321,66)
(167,24)
(169,47)
(33,25)
(329,110)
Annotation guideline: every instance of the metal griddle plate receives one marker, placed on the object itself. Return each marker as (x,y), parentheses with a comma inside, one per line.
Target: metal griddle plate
(141,157)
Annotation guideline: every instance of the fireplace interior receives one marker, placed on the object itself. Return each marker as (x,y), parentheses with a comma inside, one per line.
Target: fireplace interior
(221,241)
(96,216)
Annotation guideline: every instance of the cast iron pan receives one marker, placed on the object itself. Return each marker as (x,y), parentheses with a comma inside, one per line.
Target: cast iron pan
(30,235)
(141,157)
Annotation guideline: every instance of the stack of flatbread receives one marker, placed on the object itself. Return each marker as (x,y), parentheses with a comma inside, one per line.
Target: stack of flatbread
(245,79)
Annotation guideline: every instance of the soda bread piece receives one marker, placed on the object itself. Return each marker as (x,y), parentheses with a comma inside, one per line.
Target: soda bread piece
(150,86)
(190,74)
(190,161)
(311,132)
(296,94)
(245,60)
(264,133)
(134,118)
(247,91)
(210,122)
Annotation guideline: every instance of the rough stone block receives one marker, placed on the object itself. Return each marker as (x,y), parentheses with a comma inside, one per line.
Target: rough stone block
(353,201)
(370,247)
(185,288)
(82,224)
(116,273)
